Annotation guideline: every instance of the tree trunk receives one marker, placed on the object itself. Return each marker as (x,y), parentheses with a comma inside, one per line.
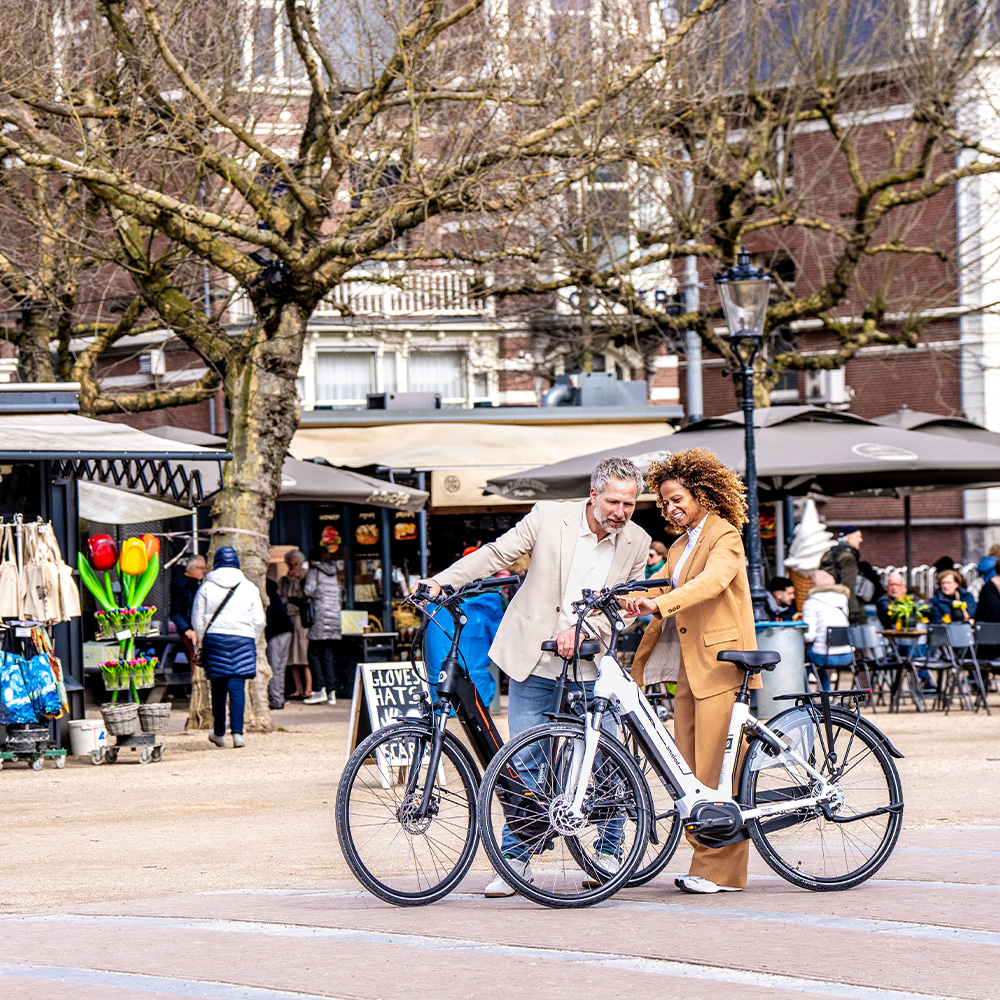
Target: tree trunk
(200,708)
(34,354)
(260,393)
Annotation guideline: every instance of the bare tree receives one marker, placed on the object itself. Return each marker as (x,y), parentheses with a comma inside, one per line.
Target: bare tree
(287,144)
(829,138)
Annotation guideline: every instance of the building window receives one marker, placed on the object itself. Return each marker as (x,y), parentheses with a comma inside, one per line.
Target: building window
(273,54)
(438,371)
(344,378)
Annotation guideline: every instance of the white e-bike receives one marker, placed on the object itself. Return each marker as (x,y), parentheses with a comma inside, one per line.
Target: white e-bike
(816,788)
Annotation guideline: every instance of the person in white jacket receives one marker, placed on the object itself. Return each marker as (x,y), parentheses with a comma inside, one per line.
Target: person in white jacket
(228,617)
(825,606)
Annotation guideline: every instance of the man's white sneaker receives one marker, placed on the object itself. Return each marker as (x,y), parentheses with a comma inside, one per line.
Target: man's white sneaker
(608,864)
(702,886)
(498,888)
(332,700)
(219,741)
(316,698)
(238,740)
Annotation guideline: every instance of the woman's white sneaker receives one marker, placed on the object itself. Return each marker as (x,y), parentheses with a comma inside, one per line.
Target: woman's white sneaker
(498,888)
(702,886)
(315,699)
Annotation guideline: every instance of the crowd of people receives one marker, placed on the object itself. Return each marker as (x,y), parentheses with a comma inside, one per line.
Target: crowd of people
(219,616)
(844,585)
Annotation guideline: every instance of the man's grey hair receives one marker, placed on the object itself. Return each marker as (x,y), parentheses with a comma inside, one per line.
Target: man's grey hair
(194,560)
(897,576)
(616,467)
(294,554)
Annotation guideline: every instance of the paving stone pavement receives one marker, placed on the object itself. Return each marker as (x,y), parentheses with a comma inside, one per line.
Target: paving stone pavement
(926,927)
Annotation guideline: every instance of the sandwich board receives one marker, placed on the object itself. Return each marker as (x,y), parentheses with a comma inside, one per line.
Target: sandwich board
(384,693)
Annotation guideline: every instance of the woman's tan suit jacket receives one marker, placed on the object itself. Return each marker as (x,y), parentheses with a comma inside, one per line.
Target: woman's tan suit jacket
(711,606)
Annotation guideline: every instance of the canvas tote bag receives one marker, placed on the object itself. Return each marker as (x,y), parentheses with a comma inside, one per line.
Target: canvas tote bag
(664,661)
(10,583)
(40,586)
(67,591)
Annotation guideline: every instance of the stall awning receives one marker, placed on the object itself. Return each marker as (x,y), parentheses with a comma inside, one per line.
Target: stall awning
(462,456)
(108,453)
(316,481)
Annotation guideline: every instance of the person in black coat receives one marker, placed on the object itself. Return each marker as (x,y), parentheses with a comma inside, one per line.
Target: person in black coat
(182,593)
(988,605)
(278,630)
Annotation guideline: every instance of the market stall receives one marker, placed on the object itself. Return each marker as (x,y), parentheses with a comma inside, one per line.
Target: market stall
(46,450)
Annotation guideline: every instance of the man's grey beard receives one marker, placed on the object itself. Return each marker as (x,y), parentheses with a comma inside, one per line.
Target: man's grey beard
(611,529)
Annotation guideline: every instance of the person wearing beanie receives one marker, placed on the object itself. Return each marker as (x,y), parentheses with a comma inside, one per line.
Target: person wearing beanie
(988,603)
(825,607)
(843,564)
(228,617)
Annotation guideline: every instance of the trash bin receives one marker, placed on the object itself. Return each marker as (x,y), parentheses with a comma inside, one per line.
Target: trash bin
(86,736)
(789,676)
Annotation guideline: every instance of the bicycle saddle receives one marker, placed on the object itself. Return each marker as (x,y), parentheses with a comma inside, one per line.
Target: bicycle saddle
(588,649)
(751,659)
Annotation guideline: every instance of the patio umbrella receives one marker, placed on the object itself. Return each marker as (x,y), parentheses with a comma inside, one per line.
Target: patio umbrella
(800,450)
(312,480)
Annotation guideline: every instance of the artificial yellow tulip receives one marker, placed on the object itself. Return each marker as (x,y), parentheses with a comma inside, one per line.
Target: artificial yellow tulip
(133,561)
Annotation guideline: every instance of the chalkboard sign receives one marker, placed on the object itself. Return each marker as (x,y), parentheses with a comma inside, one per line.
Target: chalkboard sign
(383,694)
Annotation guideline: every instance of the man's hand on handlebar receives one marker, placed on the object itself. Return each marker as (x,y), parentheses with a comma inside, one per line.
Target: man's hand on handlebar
(431,588)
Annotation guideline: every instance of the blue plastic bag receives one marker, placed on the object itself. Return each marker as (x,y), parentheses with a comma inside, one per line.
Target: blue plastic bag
(484,613)
(41,685)
(17,706)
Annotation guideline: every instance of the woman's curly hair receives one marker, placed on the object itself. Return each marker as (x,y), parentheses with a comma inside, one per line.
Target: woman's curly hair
(714,486)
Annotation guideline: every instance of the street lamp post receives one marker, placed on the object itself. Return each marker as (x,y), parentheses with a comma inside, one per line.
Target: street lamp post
(744,291)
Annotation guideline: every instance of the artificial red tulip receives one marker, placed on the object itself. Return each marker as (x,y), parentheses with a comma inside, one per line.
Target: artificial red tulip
(102,552)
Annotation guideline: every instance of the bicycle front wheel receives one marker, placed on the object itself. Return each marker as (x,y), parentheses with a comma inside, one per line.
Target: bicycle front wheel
(535,842)
(402,853)
(806,846)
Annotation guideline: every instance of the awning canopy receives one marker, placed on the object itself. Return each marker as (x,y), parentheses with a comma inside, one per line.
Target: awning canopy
(110,505)
(462,456)
(113,454)
(800,450)
(316,481)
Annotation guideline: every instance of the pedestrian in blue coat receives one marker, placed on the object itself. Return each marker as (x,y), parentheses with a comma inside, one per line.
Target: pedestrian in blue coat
(228,616)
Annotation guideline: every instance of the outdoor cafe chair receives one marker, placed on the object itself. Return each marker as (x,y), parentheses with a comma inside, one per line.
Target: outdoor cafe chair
(874,661)
(837,635)
(957,666)
(988,642)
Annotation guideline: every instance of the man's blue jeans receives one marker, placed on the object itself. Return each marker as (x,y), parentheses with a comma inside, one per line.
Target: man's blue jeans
(527,704)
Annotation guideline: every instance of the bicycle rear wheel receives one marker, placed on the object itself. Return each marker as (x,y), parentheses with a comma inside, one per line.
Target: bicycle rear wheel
(524,816)
(804,846)
(395,852)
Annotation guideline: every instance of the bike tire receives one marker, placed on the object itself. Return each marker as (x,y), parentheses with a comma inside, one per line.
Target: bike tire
(397,855)
(805,847)
(563,862)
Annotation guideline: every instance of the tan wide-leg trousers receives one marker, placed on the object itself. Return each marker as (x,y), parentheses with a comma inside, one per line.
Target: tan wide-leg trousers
(700,728)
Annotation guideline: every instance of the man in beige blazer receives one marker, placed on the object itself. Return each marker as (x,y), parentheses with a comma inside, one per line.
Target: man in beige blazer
(591,543)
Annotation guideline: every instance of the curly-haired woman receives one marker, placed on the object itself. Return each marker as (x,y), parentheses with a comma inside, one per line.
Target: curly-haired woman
(709,599)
